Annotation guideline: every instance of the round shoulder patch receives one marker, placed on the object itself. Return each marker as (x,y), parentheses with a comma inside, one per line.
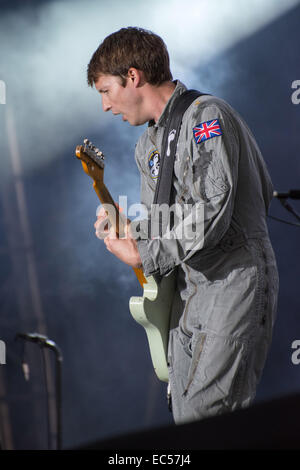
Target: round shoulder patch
(153,162)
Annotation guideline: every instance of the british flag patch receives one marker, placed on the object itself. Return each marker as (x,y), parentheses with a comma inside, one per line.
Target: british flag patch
(207,130)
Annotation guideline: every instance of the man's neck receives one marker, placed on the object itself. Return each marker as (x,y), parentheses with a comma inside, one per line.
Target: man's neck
(156,98)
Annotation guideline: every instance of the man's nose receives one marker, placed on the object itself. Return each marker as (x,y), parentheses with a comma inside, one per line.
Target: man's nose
(105,104)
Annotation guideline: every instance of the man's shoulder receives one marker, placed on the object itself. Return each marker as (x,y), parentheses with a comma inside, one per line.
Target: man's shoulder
(207,103)
(206,109)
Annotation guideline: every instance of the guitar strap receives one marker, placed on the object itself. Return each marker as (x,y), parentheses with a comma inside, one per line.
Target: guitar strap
(163,188)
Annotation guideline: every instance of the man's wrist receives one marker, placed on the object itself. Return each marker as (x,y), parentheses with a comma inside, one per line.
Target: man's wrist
(146,260)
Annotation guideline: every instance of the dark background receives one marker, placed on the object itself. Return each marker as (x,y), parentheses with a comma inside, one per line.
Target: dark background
(58,279)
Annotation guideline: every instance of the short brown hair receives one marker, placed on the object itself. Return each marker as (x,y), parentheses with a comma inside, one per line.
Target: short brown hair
(131,47)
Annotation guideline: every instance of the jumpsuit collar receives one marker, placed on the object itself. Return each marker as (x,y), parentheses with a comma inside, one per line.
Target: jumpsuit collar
(179,89)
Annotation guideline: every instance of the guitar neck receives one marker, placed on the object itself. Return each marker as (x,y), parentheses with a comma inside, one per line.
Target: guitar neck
(92,164)
(111,209)
(116,219)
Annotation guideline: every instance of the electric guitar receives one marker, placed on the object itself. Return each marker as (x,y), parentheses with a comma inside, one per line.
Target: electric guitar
(153,309)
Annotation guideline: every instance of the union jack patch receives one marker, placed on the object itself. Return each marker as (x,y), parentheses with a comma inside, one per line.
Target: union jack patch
(207,130)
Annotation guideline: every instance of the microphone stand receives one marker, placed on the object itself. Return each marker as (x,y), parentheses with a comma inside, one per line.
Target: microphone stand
(287,206)
(282,197)
(44,342)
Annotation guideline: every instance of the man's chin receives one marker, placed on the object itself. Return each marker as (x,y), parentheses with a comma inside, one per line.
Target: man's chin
(133,122)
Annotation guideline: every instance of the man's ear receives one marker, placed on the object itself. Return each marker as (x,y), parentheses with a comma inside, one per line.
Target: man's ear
(136,77)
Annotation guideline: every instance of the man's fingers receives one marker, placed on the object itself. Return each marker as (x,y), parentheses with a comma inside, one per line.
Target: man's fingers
(112,234)
(101,228)
(102,222)
(119,207)
(100,212)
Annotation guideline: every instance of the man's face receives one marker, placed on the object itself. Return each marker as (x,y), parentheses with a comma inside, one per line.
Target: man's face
(121,100)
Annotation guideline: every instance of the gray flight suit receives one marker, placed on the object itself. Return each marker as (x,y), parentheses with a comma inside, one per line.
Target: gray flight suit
(227,285)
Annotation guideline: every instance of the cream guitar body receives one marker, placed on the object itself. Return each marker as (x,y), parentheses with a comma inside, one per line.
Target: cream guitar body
(153,309)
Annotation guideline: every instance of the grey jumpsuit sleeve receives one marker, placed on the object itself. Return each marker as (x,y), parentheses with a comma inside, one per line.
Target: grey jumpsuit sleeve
(206,174)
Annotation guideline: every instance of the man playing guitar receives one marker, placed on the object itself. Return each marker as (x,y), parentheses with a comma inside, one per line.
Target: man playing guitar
(226,288)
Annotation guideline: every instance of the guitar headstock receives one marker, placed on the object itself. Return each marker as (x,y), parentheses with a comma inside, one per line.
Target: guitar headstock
(92,160)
